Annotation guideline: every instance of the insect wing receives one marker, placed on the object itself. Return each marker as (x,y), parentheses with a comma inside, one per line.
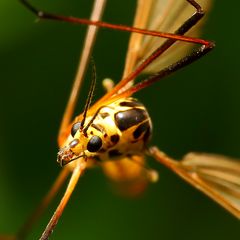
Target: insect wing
(215,175)
(164,16)
(134,46)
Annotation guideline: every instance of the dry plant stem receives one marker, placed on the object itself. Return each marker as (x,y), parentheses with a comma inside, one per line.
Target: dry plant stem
(23,232)
(78,170)
(97,12)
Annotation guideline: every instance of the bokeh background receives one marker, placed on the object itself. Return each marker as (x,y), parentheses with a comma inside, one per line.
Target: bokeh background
(196,109)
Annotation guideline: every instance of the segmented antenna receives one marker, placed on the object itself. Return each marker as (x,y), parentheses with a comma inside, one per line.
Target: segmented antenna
(90,94)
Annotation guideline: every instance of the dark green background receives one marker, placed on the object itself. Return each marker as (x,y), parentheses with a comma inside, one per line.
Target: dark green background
(196,109)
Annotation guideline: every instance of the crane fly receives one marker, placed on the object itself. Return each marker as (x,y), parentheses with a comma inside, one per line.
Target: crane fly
(114,132)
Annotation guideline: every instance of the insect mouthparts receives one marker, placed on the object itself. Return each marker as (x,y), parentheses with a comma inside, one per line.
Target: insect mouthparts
(64,156)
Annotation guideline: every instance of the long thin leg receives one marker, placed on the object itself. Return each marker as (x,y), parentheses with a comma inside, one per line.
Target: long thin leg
(89,41)
(186,26)
(22,233)
(28,225)
(172,38)
(44,15)
(175,166)
(211,184)
(195,55)
(78,170)
(84,59)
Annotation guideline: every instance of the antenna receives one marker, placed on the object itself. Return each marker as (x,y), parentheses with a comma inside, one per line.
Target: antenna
(90,94)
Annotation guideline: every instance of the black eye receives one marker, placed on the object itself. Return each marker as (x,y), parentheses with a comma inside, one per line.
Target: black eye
(94,144)
(75,128)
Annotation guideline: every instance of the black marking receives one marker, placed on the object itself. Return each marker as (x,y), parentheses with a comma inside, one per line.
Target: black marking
(133,103)
(115,138)
(98,127)
(105,135)
(104,115)
(143,127)
(94,144)
(147,134)
(102,150)
(73,143)
(129,118)
(75,127)
(114,153)
(97,158)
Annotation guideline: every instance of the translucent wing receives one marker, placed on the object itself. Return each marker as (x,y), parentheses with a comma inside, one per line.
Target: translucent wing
(164,16)
(215,175)
(219,176)
(159,16)
(135,43)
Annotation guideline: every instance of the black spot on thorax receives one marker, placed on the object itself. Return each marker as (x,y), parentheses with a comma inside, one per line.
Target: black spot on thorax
(129,118)
(143,127)
(115,138)
(132,103)
(147,134)
(104,115)
(114,153)
(102,150)
(105,135)
(98,127)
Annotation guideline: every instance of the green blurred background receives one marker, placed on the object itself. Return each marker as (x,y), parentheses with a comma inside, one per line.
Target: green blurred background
(196,109)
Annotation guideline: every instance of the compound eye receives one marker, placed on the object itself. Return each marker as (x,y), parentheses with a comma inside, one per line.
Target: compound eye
(94,144)
(75,128)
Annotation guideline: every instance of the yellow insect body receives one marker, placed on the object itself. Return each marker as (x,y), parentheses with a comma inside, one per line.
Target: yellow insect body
(117,130)
(114,131)
(116,138)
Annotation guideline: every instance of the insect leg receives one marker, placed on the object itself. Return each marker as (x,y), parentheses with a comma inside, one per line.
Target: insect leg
(86,53)
(78,170)
(29,223)
(176,167)
(221,185)
(172,38)
(44,15)
(187,25)
(195,55)
(44,204)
